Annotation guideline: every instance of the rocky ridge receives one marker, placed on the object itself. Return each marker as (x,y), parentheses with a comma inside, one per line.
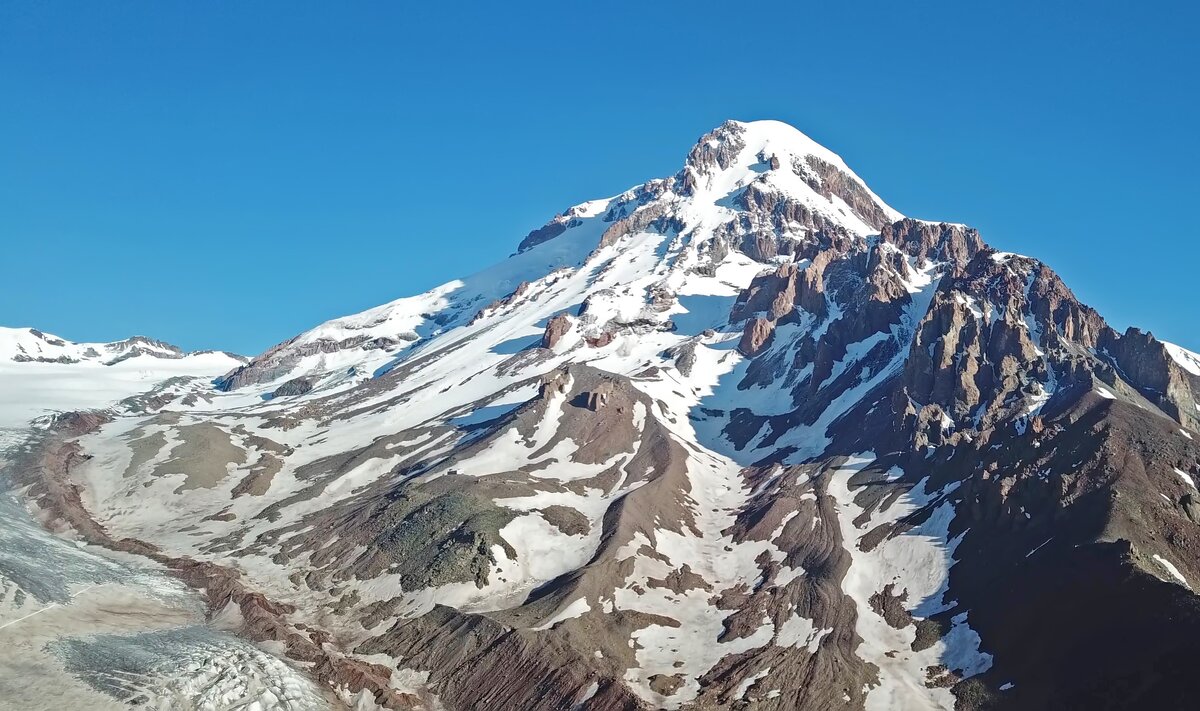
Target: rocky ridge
(741,436)
(29,345)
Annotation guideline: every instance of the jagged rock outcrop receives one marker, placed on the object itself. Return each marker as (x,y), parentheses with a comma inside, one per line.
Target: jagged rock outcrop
(556,328)
(1147,364)
(295,386)
(547,232)
(756,336)
(954,244)
(282,359)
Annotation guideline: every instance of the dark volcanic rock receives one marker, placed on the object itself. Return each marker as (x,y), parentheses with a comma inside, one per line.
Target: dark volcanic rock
(295,386)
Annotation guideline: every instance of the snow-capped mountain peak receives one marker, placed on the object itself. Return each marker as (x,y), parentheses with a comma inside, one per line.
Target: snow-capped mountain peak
(748,193)
(740,435)
(32,345)
(42,374)
(780,158)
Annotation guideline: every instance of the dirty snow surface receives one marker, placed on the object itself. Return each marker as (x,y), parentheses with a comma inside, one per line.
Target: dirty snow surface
(81,627)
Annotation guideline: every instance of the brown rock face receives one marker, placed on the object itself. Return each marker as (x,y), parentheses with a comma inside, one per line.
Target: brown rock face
(831,181)
(956,244)
(600,341)
(1069,518)
(715,150)
(556,328)
(773,292)
(773,218)
(560,224)
(810,294)
(1145,362)
(778,294)
(476,663)
(656,217)
(501,303)
(756,336)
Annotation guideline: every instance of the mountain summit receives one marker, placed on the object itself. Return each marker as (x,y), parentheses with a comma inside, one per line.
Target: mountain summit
(741,436)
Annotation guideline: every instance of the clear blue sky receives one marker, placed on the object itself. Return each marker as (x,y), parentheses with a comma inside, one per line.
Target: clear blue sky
(227,174)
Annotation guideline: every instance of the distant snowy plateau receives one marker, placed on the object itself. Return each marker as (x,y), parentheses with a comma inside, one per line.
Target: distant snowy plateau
(744,437)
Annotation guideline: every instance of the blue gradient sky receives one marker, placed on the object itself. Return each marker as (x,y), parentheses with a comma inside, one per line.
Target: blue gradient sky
(225,175)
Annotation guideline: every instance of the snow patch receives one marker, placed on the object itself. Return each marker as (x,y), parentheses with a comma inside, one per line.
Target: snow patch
(1170,568)
(1186,477)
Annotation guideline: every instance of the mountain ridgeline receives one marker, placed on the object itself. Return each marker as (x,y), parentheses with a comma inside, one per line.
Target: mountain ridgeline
(740,437)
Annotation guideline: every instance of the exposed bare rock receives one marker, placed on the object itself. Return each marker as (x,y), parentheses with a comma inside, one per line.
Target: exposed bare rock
(775,218)
(54,456)
(681,580)
(281,359)
(890,606)
(600,341)
(756,336)
(684,357)
(653,217)
(428,536)
(830,181)
(714,151)
(547,232)
(501,303)
(955,244)
(295,386)
(810,292)
(1143,359)
(477,663)
(142,346)
(773,293)
(555,227)
(666,685)
(1054,306)
(556,328)
(567,520)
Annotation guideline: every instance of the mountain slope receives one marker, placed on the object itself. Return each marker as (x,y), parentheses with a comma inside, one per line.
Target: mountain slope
(744,435)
